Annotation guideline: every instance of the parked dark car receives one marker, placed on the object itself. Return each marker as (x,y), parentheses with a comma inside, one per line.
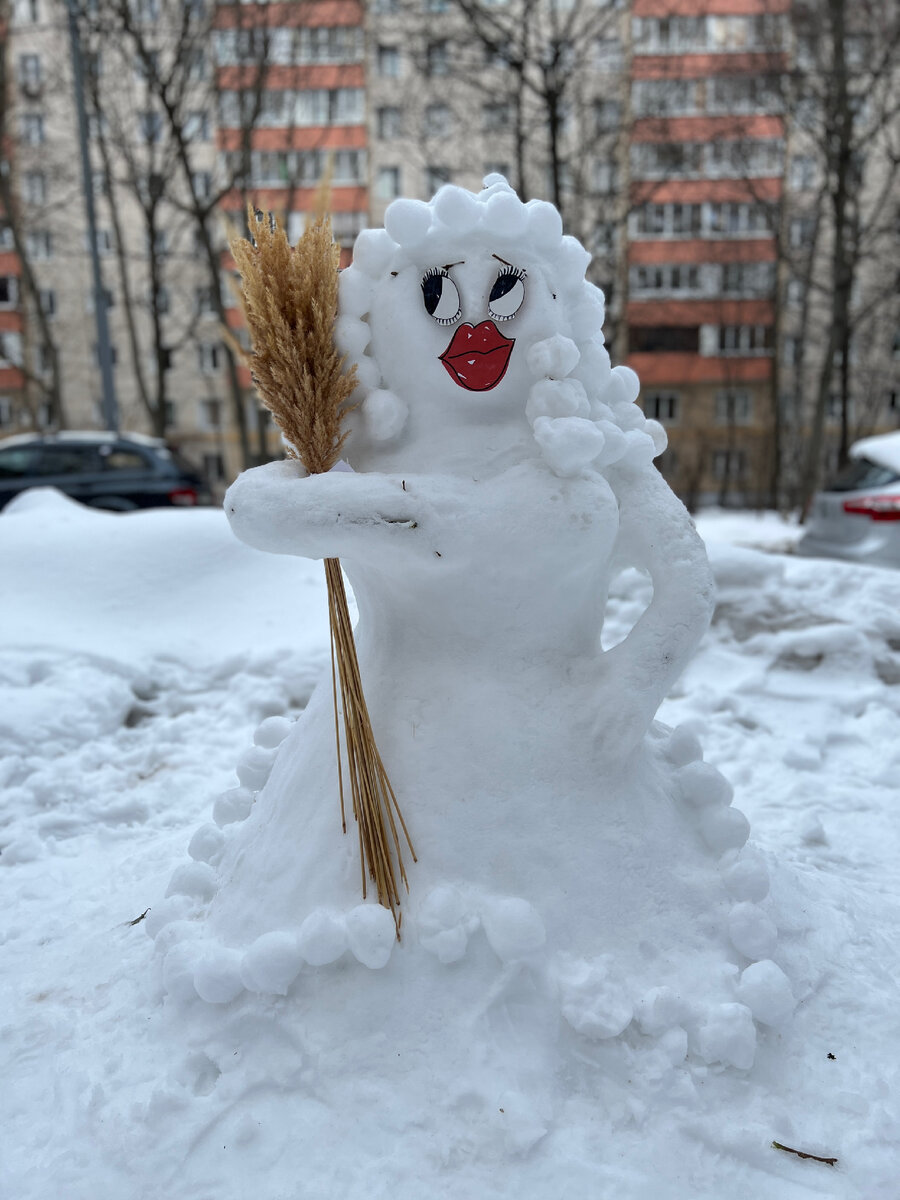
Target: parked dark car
(119,473)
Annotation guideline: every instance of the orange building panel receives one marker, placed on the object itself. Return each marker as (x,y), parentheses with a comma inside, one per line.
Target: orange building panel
(705,129)
(701,66)
(10,378)
(698,191)
(712,8)
(294,15)
(11,321)
(672,369)
(701,312)
(317,75)
(307,137)
(302,199)
(9,263)
(760,249)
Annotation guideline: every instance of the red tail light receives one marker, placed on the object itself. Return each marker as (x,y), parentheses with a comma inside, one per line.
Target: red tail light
(876,508)
(185,497)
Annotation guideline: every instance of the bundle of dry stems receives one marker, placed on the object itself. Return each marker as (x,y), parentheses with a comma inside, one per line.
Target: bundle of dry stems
(290,300)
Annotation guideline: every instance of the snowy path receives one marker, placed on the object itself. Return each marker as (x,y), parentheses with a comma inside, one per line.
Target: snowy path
(138,653)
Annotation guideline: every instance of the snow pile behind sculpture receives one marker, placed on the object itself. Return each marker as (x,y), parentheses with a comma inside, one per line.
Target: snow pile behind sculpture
(582,873)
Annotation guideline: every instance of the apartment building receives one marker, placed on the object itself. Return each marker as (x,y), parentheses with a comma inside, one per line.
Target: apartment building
(707,164)
(292,106)
(659,127)
(194,111)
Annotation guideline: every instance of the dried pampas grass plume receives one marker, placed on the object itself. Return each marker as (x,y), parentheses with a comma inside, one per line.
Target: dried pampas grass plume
(290,301)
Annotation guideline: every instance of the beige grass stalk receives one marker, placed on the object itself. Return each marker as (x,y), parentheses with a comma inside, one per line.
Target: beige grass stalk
(290,299)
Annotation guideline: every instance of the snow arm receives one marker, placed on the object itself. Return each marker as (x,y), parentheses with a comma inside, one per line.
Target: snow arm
(656,535)
(278,508)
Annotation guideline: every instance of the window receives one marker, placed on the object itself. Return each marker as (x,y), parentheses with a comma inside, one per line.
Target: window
(27,12)
(802,231)
(387,183)
(734,408)
(47,301)
(496,117)
(209,355)
(745,339)
(203,301)
(346,225)
(435,178)
(146,11)
(214,468)
(665,277)
(752,279)
(39,244)
(607,115)
(388,58)
(803,172)
(728,465)
(662,406)
(677,339)
(210,414)
(123,460)
(437,58)
(607,53)
(7,417)
(437,120)
(159,246)
(202,184)
(104,242)
(196,64)
(9,291)
(10,348)
(150,126)
(30,73)
(348,166)
(31,129)
(44,359)
(329,44)
(197,127)
(790,351)
(34,187)
(162,300)
(795,293)
(389,122)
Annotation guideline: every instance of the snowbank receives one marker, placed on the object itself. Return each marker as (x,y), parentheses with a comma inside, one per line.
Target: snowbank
(112,1092)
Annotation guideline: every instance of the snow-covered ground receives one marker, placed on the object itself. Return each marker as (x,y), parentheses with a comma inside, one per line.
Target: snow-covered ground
(138,653)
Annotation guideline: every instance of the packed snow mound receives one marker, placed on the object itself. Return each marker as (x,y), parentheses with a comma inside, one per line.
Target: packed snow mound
(115,1090)
(127,580)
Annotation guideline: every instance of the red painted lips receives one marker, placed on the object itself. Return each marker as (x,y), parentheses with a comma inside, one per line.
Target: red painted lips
(478,356)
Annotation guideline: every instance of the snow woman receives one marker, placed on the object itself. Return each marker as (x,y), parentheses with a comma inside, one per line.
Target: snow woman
(499,473)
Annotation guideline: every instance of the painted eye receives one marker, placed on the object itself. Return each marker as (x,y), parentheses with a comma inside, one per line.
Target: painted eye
(440,296)
(507,294)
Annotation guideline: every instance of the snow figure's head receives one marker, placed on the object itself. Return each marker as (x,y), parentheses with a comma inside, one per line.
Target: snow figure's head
(473,312)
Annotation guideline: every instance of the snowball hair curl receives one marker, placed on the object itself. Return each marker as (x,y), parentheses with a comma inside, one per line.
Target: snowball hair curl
(582,411)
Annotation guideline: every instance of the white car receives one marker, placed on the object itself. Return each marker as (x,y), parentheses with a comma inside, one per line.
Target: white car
(858,516)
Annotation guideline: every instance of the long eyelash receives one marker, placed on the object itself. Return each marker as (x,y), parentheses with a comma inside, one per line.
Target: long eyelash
(519,272)
(430,274)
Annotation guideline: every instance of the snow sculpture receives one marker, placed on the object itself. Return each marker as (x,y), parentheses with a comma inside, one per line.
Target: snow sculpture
(501,475)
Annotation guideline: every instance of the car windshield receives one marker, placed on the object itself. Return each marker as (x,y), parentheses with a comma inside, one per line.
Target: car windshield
(862,473)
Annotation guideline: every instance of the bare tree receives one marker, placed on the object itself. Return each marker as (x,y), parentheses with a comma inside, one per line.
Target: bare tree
(43,377)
